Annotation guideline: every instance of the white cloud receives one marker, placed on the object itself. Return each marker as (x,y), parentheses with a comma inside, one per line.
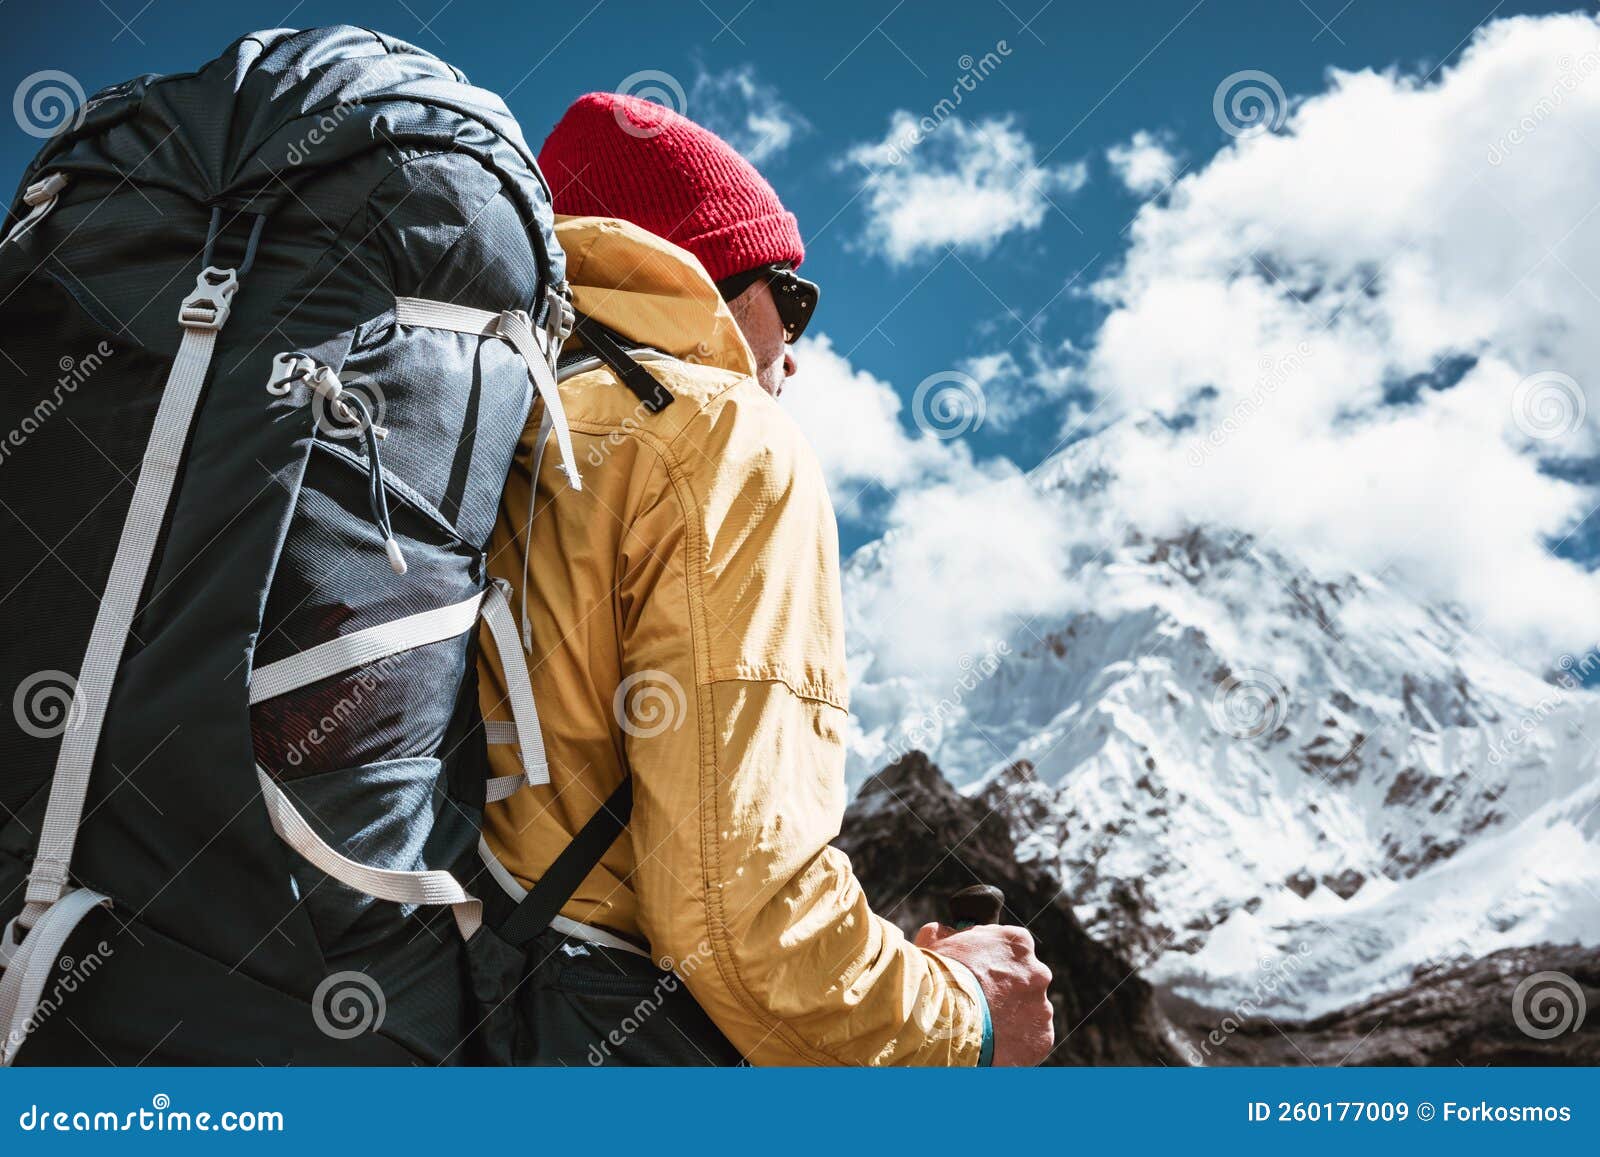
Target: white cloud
(852,421)
(1282,291)
(1014,387)
(746,113)
(968,548)
(1143,164)
(964,562)
(964,184)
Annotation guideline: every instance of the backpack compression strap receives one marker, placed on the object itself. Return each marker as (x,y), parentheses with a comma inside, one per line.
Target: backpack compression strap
(546,899)
(30,944)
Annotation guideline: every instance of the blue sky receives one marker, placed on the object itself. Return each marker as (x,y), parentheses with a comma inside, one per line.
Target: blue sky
(1079,78)
(906,298)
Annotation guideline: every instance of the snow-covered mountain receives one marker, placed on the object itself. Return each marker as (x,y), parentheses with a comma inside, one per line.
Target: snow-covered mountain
(1258,781)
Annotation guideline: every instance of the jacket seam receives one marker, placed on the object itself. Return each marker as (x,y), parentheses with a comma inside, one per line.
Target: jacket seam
(711,816)
(709,769)
(810,692)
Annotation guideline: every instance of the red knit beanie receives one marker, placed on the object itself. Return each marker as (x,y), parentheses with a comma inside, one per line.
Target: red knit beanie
(614,155)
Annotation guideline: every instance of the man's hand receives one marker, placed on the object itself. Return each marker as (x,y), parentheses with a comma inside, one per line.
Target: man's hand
(1013,979)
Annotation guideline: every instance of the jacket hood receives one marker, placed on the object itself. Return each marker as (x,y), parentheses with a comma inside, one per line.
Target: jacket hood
(650,291)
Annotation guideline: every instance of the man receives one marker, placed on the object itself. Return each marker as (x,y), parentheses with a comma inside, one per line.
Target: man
(685,630)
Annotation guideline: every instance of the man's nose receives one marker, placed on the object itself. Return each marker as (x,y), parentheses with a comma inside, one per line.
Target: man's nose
(789,366)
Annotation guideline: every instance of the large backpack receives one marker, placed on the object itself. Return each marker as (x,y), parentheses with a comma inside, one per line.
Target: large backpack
(271,331)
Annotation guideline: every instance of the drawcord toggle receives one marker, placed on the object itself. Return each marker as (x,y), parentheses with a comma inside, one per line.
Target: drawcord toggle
(349,406)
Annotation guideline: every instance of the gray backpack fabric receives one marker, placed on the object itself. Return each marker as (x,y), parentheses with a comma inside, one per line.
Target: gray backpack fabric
(275,329)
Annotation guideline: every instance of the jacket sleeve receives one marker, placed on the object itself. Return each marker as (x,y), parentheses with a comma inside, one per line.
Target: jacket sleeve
(730,709)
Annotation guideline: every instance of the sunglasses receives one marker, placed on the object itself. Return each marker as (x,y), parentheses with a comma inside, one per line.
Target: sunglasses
(794,296)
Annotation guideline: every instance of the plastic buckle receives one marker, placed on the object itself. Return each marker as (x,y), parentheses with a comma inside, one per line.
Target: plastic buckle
(45,189)
(212,300)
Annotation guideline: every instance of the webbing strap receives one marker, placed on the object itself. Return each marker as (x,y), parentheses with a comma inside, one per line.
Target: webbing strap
(519,331)
(362,647)
(202,314)
(32,963)
(616,355)
(534,465)
(546,899)
(503,787)
(573,928)
(519,688)
(425,887)
(515,327)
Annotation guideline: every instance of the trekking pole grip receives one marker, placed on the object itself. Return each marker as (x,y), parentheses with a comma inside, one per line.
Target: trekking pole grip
(978,904)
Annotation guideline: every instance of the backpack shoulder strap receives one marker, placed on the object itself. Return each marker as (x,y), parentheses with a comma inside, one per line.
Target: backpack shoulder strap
(545,899)
(612,349)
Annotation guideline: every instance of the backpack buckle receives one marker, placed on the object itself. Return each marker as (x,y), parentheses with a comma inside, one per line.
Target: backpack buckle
(45,189)
(212,300)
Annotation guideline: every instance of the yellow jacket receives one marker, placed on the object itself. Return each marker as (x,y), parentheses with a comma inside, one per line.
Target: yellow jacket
(686,627)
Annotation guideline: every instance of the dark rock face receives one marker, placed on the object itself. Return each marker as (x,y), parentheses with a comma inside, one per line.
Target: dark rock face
(1462,1013)
(914,840)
